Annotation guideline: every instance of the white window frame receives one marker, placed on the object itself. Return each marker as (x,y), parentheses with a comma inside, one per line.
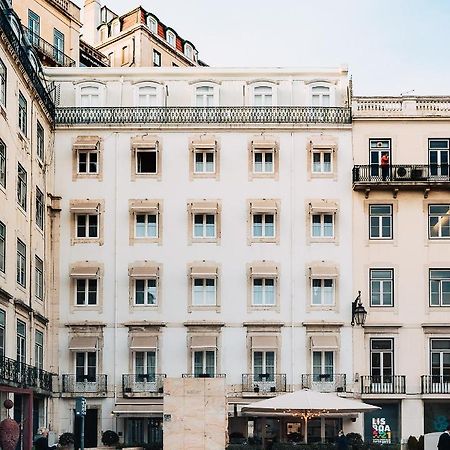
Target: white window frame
(264,228)
(267,300)
(148,371)
(3,80)
(322,164)
(90,91)
(152,24)
(88,163)
(23,114)
(204,352)
(146,225)
(22,186)
(21,265)
(154,87)
(85,367)
(382,283)
(441,352)
(152,290)
(188,51)
(39,277)
(2,247)
(322,226)
(316,376)
(380,218)
(200,294)
(264,365)
(203,227)
(313,93)
(2,164)
(40,208)
(439,280)
(39,349)
(322,288)
(146,150)
(261,93)
(442,217)
(86,291)
(40,141)
(156,58)
(171,38)
(264,163)
(212,94)
(204,163)
(87,226)
(21,341)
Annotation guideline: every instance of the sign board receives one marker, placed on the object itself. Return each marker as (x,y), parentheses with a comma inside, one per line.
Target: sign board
(80,406)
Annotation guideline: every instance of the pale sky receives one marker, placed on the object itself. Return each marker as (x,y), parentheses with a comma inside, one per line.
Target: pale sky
(390,46)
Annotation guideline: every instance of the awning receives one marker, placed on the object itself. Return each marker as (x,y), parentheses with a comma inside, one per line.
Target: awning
(262,342)
(267,270)
(144,143)
(144,205)
(323,206)
(143,342)
(206,270)
(84,271)
(86,143)
(204,143)
(204,342)
(204,207)
(138,410)
(266,145)
(144,271)
(324,341)
(323,271)
(263,206)
(88,207)
(84,343)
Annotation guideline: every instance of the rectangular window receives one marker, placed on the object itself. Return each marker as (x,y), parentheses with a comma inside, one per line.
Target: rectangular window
(204,226)
(322,225)
(86,291)
(145,365)
(145,292)
(21,263)
(204,292)
(380,222)
(440,287)
(322,161)
(146,226)
(146,162)
(90,96)
(87,162)
(322,366)
(438,157)
(40,139)
(58,43)
(204,362)
(262,96)
(148,96)
(204,96)
(322,292)
(34,22)
(2,333)
(39,349)
(263,161)
(23,114)
(263,292)
(2,164)
(440,360)
(377,149)
(39,208)
(170,38)
(21,339)
(86,225)
(2,83)
(263,225)
(439,221)
(382,360)
(320,96)
(21,187)
(2,247)
(86,367)
(125,55)
(39,278)
(156,58)
(381,287)
(264,365)
(204,161)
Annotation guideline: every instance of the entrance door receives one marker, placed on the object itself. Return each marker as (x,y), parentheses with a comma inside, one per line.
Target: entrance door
(90,429)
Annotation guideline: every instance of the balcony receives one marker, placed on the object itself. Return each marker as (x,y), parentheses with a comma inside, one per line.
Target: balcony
(435,384)
(95,385)
(381,385)
(324,382)
(181,115)
(90,57)
(400,176)
(18,374)
(203,375)
(49,54)
(141,385)
(263,383)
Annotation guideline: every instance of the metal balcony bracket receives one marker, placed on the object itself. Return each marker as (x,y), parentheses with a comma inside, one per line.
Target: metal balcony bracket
(366,193)
(394,193)
(426,192)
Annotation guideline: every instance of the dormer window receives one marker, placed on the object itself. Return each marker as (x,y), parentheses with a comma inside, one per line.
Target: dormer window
(115,27)
(321,96)
(170,36)
(262,96)
(152,24)
(188,52)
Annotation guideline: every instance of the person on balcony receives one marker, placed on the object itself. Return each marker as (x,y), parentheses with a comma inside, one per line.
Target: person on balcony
(384,164)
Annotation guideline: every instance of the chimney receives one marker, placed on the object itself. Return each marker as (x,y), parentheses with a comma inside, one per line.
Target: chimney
(91,21)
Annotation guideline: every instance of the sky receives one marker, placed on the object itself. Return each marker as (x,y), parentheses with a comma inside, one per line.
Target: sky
(391,47)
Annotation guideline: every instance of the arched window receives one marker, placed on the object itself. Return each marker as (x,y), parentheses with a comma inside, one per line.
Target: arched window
(320,96)
(103,32)
(90,94)
(152,24)
(115,27)
(188,51)
(170,36)
(147,96)
(262,96)
(204,96)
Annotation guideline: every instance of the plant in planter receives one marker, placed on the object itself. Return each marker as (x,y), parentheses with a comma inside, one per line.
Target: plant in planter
(110,437)
(66,440)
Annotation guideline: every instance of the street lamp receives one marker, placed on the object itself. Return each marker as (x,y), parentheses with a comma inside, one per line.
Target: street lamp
(359,313)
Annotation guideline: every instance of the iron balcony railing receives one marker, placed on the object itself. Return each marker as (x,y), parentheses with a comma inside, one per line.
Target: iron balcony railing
(84,384)
(133,383)
(401,174)
(202,115)
(92,56)
(435,384)
(263,382)
(58,57)
(386,384)
(324,382)
(17,373)
(203,375)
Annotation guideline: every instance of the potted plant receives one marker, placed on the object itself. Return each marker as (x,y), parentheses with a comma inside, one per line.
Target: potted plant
(110,438)
(66,441)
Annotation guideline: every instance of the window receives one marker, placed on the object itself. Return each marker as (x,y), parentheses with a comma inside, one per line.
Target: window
(86,225)
(58,43)
(21,339)
(40,146)
(322,225)
(381,360)
(152,24)
(39,278)
(39,208)
(147,96)
(440,287)
(204,363)
(322,365)
(264,365)
(378,148)
(322,161)
(145,292)
(204,96)
(39,349)
(2,83)
(204,292)
(90,96)
(145,365)
(87,162)
(21,187)
(322,291)
(320,96)
(263,291)
(156,58)
(262,96)
(34,26)
(204,225)
(380,222)
(86,291)
(2,333)
(2,247)
(439,221)
(188,51)
(147,161)
(22,114)
(381,287)
(170,36)
(263,161)
(21,277)
(146,225)
(440,360)
(438,157)
(86,367)
(2,164)
(263,225)
(204,161)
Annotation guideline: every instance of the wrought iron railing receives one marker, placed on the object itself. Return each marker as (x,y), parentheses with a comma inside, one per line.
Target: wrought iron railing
(401,174)
(20,374)
(435,384)
(20,49)
(133,383)
(202,115)
(95,57)
(84,384)
(264,382)
(203,375)
(386,384)
(324,382)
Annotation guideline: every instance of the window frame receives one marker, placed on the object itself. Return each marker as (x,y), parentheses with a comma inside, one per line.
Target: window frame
(322,225)
(39,350)
(263,96)
(146,291)
(23,114)
(430,237)
(204,353)
(87,226)
(382,281)
(380,222)
(38,278)
(2,247)
(152,24)
(322,287)
(264,364)
(391,351)
(322,152)
(22,187)
(171,38)
(264,226)
(146,214)
(204,291)
(40,209)
(21,341)
(86,376)
(40,141)
(88,162)
(204,225)
(316,377)
(21,263)
(441,352)
(264,291)
(86,291)
(204,152)
(148,371)
(3,171)
(3,83)
(2,332)
(439,169)
(156,58)
(331,93)
(440,280)
(97,90)
(58,52)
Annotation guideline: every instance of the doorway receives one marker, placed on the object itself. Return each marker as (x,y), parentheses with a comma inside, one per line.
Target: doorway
(90,429)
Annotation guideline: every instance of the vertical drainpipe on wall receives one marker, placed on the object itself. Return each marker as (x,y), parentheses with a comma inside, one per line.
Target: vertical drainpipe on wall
(30,292)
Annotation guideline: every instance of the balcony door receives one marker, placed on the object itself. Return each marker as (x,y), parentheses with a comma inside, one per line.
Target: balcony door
(204,363)
(438,157)
(264,367)
(377,147)
(440,365)
(34,25)
(85,367)
(323,367)
(145,371)
(381,365)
